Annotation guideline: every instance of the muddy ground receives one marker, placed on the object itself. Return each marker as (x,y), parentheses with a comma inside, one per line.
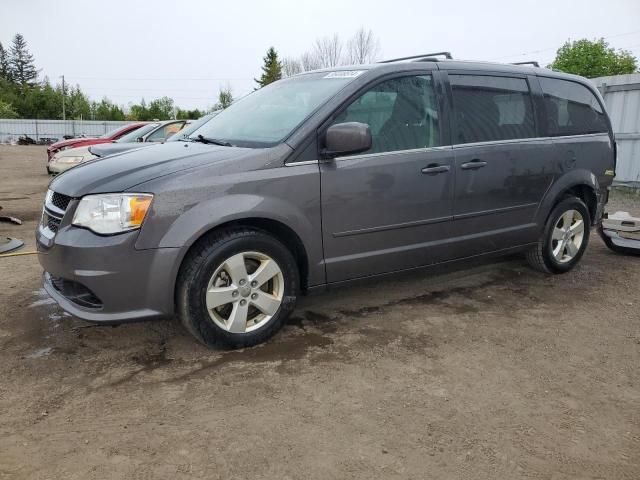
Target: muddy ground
(494,372)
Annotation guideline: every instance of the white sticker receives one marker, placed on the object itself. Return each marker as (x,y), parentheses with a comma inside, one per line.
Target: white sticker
(344,74)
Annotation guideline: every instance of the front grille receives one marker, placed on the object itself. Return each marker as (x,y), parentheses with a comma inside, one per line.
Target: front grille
(51,222)
(60,201)
(55,207)
(75,292)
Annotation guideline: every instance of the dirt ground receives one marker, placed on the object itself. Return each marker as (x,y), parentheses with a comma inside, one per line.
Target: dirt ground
(493,372)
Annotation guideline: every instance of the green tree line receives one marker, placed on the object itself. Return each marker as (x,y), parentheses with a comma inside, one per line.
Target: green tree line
(22,95)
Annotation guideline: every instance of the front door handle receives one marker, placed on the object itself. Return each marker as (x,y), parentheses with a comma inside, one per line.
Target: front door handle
(473,165)
(434,169)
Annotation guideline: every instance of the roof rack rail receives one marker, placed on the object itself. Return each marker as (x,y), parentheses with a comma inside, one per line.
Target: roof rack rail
(534,63)
(423,57)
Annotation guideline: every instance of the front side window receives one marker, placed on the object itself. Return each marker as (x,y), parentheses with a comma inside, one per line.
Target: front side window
(571,108)
(402,114)
(491,108)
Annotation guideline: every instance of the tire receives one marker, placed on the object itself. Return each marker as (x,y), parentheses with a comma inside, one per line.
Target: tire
(558,251)
(212,273)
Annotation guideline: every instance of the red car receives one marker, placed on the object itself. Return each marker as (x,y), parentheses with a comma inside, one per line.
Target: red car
(86,141)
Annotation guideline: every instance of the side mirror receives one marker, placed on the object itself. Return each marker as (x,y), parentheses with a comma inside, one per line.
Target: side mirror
(346,138)
(139,139)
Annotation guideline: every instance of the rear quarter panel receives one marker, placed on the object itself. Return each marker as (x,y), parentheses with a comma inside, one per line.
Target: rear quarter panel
(579,160)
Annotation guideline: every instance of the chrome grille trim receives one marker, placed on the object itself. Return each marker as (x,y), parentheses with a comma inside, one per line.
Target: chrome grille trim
(55,206)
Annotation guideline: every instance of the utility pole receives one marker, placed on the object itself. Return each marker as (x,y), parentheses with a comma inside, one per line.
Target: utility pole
(63,95)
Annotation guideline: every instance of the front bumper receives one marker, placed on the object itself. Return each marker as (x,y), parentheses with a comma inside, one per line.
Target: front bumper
(125,284)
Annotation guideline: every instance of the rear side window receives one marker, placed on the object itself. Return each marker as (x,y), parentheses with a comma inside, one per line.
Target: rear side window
(491,108)
(572,109)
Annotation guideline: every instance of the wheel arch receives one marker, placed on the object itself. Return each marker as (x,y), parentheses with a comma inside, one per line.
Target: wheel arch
(579,183)
(277,229)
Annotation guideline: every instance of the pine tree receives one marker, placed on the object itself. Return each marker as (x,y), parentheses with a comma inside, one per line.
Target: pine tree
(21,64)
(271,70)
(5,71)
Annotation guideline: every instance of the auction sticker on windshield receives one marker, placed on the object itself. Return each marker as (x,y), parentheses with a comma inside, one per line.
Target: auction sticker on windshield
(344,74)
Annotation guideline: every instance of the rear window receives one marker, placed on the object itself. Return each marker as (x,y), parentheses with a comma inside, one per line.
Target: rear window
(491,108)
(571,108)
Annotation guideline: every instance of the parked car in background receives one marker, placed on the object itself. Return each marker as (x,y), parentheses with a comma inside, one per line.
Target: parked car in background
(159,134)
(329,177)
(108,137)
(149,133)
(186,132)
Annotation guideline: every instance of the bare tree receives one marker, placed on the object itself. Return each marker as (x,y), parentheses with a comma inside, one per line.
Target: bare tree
(328,51)
(363,47)
(309,61)
(291,66)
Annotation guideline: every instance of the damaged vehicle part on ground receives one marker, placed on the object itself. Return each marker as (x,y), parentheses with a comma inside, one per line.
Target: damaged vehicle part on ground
(621,233)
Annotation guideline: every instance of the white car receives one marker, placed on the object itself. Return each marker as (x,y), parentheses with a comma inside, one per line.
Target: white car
(65,159)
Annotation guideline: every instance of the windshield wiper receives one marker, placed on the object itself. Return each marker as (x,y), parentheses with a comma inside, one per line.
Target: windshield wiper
(211,141)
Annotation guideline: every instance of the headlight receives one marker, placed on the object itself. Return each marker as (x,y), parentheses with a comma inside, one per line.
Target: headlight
(68,159)
(112,213)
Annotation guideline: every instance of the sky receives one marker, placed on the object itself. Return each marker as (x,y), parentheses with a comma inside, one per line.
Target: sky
(187,50)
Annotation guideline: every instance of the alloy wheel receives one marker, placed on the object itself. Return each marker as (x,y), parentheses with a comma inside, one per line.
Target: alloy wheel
(245,292)
(567,236)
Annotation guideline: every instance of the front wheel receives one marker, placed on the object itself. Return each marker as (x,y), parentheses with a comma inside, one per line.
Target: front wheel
(564,239)
(237,288)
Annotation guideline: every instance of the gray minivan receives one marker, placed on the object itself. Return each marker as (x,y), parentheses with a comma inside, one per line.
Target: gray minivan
(328,177)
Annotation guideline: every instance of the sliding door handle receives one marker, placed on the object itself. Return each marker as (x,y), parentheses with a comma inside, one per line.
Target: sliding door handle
(473,165)
(435,169)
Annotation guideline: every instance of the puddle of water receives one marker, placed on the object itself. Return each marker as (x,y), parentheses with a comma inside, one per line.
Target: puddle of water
(40,352)
(44,301)
(43,298)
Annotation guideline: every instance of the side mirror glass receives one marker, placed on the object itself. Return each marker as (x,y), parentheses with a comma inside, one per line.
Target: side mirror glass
(347,138)
(139,139)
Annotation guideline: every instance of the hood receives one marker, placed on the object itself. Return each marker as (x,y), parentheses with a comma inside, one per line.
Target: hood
(123,171)
(106,149)
(82,151)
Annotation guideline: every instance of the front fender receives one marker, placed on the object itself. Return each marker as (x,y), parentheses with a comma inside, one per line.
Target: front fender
(190,205)
(209,214)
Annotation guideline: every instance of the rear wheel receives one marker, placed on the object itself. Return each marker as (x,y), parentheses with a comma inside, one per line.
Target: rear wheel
(237,288)
(564,239)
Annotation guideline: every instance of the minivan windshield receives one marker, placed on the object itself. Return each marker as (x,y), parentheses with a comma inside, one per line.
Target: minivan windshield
(190,128)
(267,116)
(138,132)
